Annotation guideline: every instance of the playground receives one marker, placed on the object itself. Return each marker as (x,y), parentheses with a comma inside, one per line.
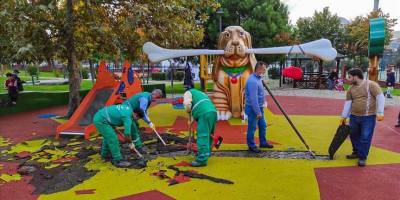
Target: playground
(72,168)
(150,101)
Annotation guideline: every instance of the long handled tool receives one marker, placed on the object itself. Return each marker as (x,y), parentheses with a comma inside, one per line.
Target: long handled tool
(288,119)
(189,147)
(133,148)
(155,131)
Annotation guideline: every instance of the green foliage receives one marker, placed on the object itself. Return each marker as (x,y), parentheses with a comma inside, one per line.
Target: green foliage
(57,73)
(266,20)
(28,101)
(158,76)
(357,33)
(151,87)
(32,70)
(85,73)
(179,75)
(322,24)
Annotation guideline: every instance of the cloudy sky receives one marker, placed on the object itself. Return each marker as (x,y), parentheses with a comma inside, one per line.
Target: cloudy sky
(348,9)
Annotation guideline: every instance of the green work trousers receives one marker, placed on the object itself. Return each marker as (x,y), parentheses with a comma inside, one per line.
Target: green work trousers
(135,134)
(205,127)
(110,140)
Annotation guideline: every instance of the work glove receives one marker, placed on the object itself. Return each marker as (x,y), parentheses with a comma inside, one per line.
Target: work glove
(188,108)
(152,126)
(259,116)
(380,118)
(190,120)
(131,145)
(343,121)
(128,139)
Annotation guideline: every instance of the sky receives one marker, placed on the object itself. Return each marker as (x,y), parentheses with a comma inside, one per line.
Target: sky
(348,9)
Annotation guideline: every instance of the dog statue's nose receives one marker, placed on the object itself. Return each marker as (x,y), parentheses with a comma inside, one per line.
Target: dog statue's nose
(235,43)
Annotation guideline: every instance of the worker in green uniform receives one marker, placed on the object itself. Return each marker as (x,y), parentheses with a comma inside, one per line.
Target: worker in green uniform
(105,120)
(200,107)
(141,101)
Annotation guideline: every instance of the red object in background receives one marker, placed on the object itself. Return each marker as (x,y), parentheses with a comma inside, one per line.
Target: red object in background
(293,72)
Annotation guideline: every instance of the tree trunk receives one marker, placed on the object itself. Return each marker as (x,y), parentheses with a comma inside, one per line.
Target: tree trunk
(50,63)
(93,75)
(74,80)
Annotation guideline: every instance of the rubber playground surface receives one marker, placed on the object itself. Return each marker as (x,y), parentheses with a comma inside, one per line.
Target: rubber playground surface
(250,177)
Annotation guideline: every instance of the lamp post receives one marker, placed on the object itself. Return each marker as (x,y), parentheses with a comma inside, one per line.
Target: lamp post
(220,12)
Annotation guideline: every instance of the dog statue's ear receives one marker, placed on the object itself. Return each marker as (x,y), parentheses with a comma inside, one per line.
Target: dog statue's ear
(221,42)
(253,59)
(248,39)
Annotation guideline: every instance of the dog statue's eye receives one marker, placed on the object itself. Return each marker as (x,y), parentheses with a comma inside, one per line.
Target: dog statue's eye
(241,33)
(227,34)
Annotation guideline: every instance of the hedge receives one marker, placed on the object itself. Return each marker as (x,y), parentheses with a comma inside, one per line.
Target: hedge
(29,101)
(159,76)
(151,87)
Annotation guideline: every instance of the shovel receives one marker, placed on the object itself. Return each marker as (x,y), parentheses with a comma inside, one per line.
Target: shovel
(189,147)
(155,131)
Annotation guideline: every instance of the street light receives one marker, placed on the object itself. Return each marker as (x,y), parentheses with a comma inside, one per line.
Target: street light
(220,12)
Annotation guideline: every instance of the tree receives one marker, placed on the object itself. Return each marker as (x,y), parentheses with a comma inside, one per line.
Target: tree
(76,30)
(263,19)
(322,24)
(358,32)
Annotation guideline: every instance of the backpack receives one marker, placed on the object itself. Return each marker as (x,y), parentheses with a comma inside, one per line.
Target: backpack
(19,84)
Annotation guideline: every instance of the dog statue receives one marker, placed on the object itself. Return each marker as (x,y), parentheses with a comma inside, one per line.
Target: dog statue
(230,72)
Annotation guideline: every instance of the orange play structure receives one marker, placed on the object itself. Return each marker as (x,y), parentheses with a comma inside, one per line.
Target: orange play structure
(106,91)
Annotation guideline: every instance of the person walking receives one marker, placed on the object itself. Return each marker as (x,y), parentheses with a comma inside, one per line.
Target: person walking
(364,105)
(254,108)
(390,81)
(333,76)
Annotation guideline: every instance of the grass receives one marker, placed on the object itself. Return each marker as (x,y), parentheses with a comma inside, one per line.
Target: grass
(85,85)
(179,89)
(395,92)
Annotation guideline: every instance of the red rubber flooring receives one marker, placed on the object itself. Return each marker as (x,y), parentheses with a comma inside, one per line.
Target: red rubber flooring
(27,126)
(381,181)
(15,189)
(370,182)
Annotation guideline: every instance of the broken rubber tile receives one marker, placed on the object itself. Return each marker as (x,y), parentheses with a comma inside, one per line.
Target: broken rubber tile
(8,177)
(24,170)
(23,154)
(88,191)
(64,160)
(183,164)
(74,143)
(51,166)
(161,174)
(180,178)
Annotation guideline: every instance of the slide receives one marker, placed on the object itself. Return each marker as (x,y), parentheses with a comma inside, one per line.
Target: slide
(106,91)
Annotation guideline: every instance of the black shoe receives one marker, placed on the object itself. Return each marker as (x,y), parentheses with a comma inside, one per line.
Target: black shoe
(268,146)
(362,162)
(121,164)
(254,150)
(142,150)
(106,158)
(352,156)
